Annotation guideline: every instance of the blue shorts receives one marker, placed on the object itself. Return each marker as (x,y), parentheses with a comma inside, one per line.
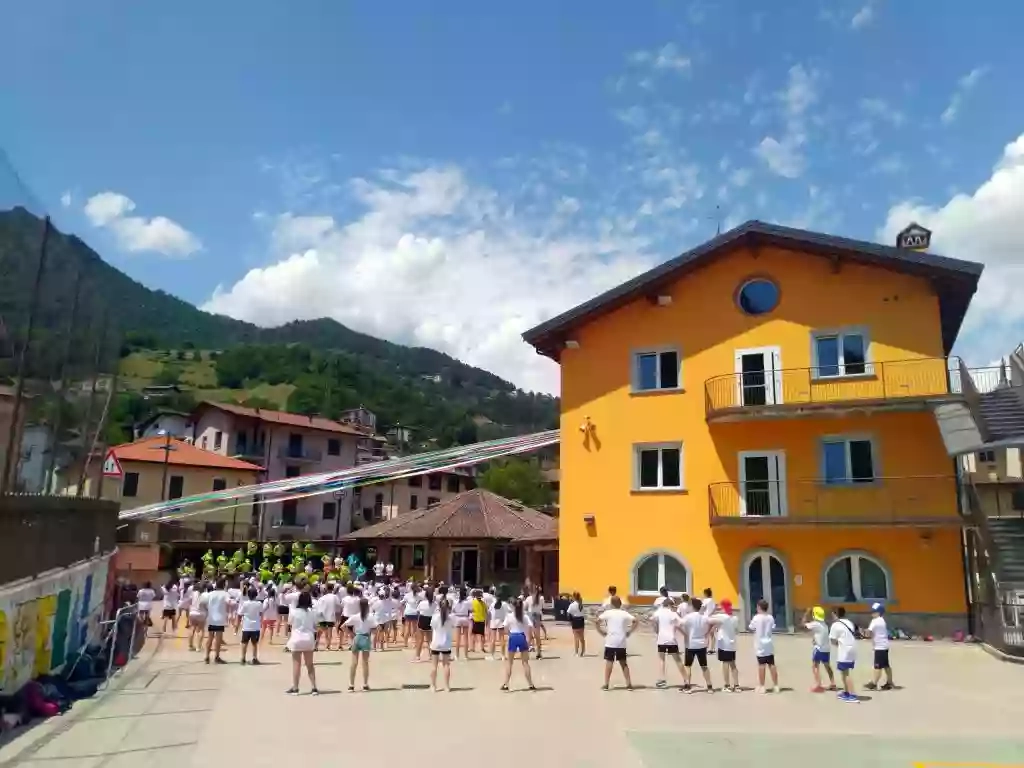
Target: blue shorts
(361,643)
(845,666)
(820,657)
(517,643)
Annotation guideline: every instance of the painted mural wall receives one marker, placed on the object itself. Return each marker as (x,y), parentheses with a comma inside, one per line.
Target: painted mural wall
(45,620)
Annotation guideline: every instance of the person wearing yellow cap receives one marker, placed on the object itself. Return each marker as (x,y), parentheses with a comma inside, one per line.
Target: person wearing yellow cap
(814,622)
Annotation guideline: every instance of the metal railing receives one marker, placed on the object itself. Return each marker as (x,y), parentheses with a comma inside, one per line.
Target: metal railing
(126,635)
(290,453)
(1000,623)
(927,500)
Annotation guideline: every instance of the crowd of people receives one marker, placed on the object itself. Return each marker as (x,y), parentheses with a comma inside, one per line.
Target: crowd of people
(439,624)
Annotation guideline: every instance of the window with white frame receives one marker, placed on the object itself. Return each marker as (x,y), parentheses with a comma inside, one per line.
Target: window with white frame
(658,466)
(987,457)
(660,570)
(656,370)
(840,354)
(855,578)
(847,460)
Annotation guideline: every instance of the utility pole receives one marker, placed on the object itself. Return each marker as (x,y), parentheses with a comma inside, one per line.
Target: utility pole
(114,382)
(59,400)
(19,384)
(97,363)
(167,461)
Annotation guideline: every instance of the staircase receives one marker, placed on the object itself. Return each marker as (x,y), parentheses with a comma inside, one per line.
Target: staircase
(1006,537)
(1002,414)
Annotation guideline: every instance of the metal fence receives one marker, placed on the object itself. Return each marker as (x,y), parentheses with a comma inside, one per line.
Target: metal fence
(1001,624)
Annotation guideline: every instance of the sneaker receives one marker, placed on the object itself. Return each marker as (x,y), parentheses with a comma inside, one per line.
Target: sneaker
(849,698)
(292,691)
(776,689)
(660,684)
(760,689)
(255,662)
(219,660)
(888,687)
(870,686)
(244,662)
(314,692)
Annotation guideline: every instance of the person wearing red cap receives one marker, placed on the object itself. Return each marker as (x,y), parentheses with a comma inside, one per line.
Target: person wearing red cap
(727,625)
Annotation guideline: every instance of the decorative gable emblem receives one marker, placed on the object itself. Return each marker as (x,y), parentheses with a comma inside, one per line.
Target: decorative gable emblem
(914,238)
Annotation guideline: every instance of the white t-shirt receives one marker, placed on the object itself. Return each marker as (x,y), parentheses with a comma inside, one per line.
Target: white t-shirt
(198,607)
(617,624)
(534,607)
(145,598)
(349,606)
(762,625)
(303,634)
(171,597)
(574,609)
(696,627)
(378,569)
(361,626)
(389,569)
(879,633)
(515,626)
(461,608)
(270,608)
(708,606)
(441,637)
(411,601)
(845,638)
(186,599)
(216,608)
(382,610)
(498,614)
(819,635)
(425,608)
(328,607)
(658,602)
(292,601)
(728,626)
(251,611)
(667,621)
(489,600)
(235,595)
(684,608)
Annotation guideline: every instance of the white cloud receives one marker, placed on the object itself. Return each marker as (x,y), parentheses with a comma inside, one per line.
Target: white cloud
(135,234)
(964,85)
(889,165)
(740,177)
(667,58)
(438,262)
(986,226)
(785,156)
(863,17)
(782,157)
(882,110)
(66,199)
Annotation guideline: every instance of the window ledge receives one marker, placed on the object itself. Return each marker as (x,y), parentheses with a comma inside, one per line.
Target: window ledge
(660,391)
(658,491)
(818,378)
(851,485)
(864,604)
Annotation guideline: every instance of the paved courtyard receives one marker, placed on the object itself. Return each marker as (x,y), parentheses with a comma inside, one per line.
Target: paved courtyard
(956,707)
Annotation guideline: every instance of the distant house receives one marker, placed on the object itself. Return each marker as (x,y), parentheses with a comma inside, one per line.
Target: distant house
(35,453)
(286,445)
(165,422)
(386,501)
(360,417)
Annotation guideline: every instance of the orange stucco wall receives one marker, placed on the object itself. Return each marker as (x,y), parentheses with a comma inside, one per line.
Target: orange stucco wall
(900,315)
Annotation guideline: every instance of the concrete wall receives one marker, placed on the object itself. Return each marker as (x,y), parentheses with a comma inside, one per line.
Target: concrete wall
(44,620)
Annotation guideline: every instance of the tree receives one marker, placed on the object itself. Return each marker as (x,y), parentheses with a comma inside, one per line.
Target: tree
(518,479)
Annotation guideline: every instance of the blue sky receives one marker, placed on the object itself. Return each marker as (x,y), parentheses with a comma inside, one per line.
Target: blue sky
(369,161)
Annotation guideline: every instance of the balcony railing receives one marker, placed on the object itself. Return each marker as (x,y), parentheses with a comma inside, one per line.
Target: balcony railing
(254,453)
(776,392)
(921,501)
(293,453)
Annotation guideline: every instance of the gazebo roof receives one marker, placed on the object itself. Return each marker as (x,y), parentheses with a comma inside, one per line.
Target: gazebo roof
(476,514)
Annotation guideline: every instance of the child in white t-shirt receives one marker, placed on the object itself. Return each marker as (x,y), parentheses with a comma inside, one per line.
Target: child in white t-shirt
(251,615)
(666,623)
(708,607)
(814,622)
(616,625)
(879,632)
(726,628)
(762,625)
(843,636)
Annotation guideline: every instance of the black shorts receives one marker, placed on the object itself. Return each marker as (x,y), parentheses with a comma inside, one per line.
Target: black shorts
(326,624)
(478,628)
(700,654)
(423,622)
(614,654)
(282,610)
(769,659)
(440,653)
(170,613)
(215,628)
(725,656)
(410,618)
(882,659)
(577,622)
(671,648)
(250,636)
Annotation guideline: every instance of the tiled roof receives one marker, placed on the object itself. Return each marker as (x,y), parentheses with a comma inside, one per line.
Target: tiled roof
(954,280)
(287,419)
(476,514)
(181,454)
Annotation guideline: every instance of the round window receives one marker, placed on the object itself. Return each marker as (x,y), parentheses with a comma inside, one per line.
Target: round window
(758,296)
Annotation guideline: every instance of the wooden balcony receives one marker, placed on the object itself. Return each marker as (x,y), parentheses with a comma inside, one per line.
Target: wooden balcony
(899,385)
(925,501)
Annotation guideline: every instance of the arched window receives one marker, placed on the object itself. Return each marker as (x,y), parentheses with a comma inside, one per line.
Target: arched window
(659,570)
(856,577)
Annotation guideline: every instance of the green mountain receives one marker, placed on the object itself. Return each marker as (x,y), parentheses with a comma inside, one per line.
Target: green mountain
(326,366)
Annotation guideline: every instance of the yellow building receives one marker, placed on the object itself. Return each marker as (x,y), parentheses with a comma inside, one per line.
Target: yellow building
(754,416)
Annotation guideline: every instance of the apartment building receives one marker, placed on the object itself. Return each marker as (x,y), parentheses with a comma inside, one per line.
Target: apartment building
(997,476)
(386,501)
(756,416)
(286,445)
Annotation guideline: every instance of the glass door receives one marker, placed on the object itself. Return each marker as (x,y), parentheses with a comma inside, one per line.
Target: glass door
(464,566)
(766,580)
(762,483)
(759,376)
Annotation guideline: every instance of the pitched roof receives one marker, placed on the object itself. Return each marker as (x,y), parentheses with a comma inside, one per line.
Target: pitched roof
(476,514)
(152,449)
(286,419)
(955,280)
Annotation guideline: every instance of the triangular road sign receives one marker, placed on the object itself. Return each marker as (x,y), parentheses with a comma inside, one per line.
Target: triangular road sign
(111,466)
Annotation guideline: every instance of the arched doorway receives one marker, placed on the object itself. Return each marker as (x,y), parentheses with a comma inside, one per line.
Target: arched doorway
(764,577)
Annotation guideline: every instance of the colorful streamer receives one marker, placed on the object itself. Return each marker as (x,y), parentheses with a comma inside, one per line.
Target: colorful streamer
(367,474)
